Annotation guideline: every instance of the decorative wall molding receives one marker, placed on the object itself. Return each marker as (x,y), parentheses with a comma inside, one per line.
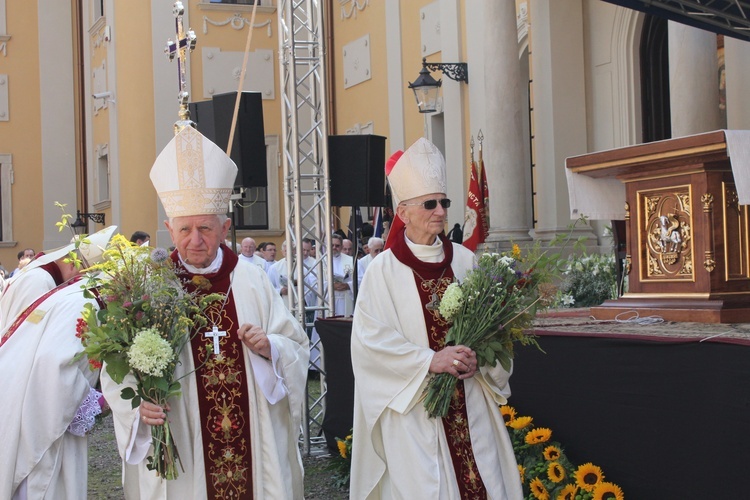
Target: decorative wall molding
(357,67)
(4,98)
(429,29)
(221,72)
(355,7)
(522,21)
(236,21)
(6,195)
(361,129)
(4,36)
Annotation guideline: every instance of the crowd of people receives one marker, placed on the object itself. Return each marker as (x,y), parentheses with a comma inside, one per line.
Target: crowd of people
(238,418)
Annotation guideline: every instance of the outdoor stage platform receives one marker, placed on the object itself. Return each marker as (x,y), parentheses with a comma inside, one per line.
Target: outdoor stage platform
(662,408)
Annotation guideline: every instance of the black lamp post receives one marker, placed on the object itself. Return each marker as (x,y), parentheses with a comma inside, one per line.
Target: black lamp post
(80,227)
(427,89)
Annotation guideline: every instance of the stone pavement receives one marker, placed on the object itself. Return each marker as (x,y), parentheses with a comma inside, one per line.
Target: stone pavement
(630,324)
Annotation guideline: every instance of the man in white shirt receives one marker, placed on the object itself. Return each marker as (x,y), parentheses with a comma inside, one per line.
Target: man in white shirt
(375,246)
(268,252)
(343,270)
(247,253)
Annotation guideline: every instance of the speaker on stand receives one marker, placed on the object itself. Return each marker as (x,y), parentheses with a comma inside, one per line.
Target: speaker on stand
(356,168)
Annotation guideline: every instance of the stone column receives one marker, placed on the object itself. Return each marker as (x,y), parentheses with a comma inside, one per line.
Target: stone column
(504,136)
(559,101)
(693,80)
(737,63)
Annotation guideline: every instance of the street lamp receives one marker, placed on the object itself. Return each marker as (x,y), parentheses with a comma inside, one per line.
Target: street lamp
(427,89)
(80,227)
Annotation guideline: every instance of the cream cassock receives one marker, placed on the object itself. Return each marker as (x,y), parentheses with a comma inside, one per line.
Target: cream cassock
(391,358)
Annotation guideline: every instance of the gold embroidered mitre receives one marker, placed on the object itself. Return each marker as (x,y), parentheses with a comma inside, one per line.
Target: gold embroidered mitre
(193,176)
(419,171)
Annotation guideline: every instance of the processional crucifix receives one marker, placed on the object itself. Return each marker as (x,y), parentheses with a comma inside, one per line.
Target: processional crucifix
(185,42)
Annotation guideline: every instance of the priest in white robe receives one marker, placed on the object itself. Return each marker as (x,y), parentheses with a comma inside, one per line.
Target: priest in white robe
(48,271)
(238,419)
(398,342)
(48,400)
(343,277)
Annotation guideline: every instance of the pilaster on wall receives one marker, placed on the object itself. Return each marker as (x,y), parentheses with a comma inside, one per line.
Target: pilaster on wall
(58,139)
(559,107)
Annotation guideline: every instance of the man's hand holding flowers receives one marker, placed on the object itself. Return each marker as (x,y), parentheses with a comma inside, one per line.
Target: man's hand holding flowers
(459,361)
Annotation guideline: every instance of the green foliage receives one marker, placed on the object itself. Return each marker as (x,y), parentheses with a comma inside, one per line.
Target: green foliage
(588,280)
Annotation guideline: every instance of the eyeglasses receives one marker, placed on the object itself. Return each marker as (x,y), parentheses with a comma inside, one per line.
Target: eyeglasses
(431,204)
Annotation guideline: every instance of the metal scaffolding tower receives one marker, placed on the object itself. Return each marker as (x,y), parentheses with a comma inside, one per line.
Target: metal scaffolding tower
(306,183)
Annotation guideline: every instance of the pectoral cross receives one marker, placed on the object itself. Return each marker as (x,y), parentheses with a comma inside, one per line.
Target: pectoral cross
(215,334)
(434,304)
(185,42)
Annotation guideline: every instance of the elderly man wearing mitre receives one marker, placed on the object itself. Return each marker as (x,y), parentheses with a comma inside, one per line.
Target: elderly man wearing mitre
(238,418)
(398,343)
(49,401)
(49,270)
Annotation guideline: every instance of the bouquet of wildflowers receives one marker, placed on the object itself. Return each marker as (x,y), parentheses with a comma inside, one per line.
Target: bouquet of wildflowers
(148,320)
(490,310)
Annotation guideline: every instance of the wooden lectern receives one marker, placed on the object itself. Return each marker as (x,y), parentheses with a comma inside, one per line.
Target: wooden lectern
(687,236)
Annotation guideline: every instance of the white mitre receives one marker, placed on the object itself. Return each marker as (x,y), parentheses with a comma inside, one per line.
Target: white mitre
(419,171)
(193,176)
(91,250)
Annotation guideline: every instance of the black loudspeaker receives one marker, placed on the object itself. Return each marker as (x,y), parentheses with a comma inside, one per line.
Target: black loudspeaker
(214,120)
(356,167)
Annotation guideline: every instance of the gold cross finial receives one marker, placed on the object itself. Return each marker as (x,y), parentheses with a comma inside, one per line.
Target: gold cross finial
(185,42)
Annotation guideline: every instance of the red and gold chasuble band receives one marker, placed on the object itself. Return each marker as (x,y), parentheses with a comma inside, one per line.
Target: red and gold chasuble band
(435,278)
(222,389)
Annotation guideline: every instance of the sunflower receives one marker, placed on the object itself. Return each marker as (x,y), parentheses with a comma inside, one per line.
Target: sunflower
(608,491)
(508,413)
(552,453)
(555,472)
(519,423)
(538,435)
(568,493)
(522,472)
(538,489)
(342,448)
(588,476)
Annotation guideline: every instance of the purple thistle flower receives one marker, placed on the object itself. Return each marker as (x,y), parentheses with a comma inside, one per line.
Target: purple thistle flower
(159,255)
(127,304)
(139,315)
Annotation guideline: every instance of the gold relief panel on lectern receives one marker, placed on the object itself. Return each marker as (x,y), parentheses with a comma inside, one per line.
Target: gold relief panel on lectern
(665,229)
(735,234)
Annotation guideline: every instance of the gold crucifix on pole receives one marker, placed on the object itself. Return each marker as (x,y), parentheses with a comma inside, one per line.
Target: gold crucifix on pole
(184,43)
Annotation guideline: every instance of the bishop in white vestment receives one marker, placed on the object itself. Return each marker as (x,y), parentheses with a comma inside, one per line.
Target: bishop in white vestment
(398,343)
(237,421)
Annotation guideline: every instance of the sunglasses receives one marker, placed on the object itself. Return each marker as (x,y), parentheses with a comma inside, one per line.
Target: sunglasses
(431,204)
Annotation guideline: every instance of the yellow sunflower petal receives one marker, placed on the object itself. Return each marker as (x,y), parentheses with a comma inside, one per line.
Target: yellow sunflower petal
(588,476)
(508,413)
(568,493)
(538,435)
(552,453)
(555,472)
(519,423)
(608,491)
(538,490)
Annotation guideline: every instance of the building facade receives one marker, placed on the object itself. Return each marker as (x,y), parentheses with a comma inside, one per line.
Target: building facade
(88,99)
